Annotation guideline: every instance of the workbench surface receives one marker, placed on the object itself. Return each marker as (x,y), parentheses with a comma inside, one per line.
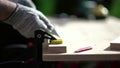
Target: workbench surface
(78,33)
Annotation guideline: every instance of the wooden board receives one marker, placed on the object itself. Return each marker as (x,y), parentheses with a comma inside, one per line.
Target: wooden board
(56,49)
(78,33)
(53,48)
(115,44)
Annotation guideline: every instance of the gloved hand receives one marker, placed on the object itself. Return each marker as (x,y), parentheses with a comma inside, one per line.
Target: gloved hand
(26,20)
(28,3)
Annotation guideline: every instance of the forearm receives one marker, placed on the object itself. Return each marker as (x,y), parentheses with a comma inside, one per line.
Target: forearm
(6,8)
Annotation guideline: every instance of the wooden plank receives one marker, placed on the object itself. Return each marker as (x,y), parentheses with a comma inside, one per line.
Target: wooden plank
(53,48)
(82,57)
(115,44)
(78,33)
(56,49)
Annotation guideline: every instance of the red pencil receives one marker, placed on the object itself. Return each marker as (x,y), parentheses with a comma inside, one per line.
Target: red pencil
(83,49)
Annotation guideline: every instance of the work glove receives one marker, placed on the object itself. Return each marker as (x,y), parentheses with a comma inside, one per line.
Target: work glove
(28,3)
(27,20)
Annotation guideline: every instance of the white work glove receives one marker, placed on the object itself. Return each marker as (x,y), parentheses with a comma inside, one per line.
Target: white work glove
(27,20)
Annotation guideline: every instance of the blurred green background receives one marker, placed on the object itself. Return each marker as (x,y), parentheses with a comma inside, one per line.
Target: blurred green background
(77,8)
